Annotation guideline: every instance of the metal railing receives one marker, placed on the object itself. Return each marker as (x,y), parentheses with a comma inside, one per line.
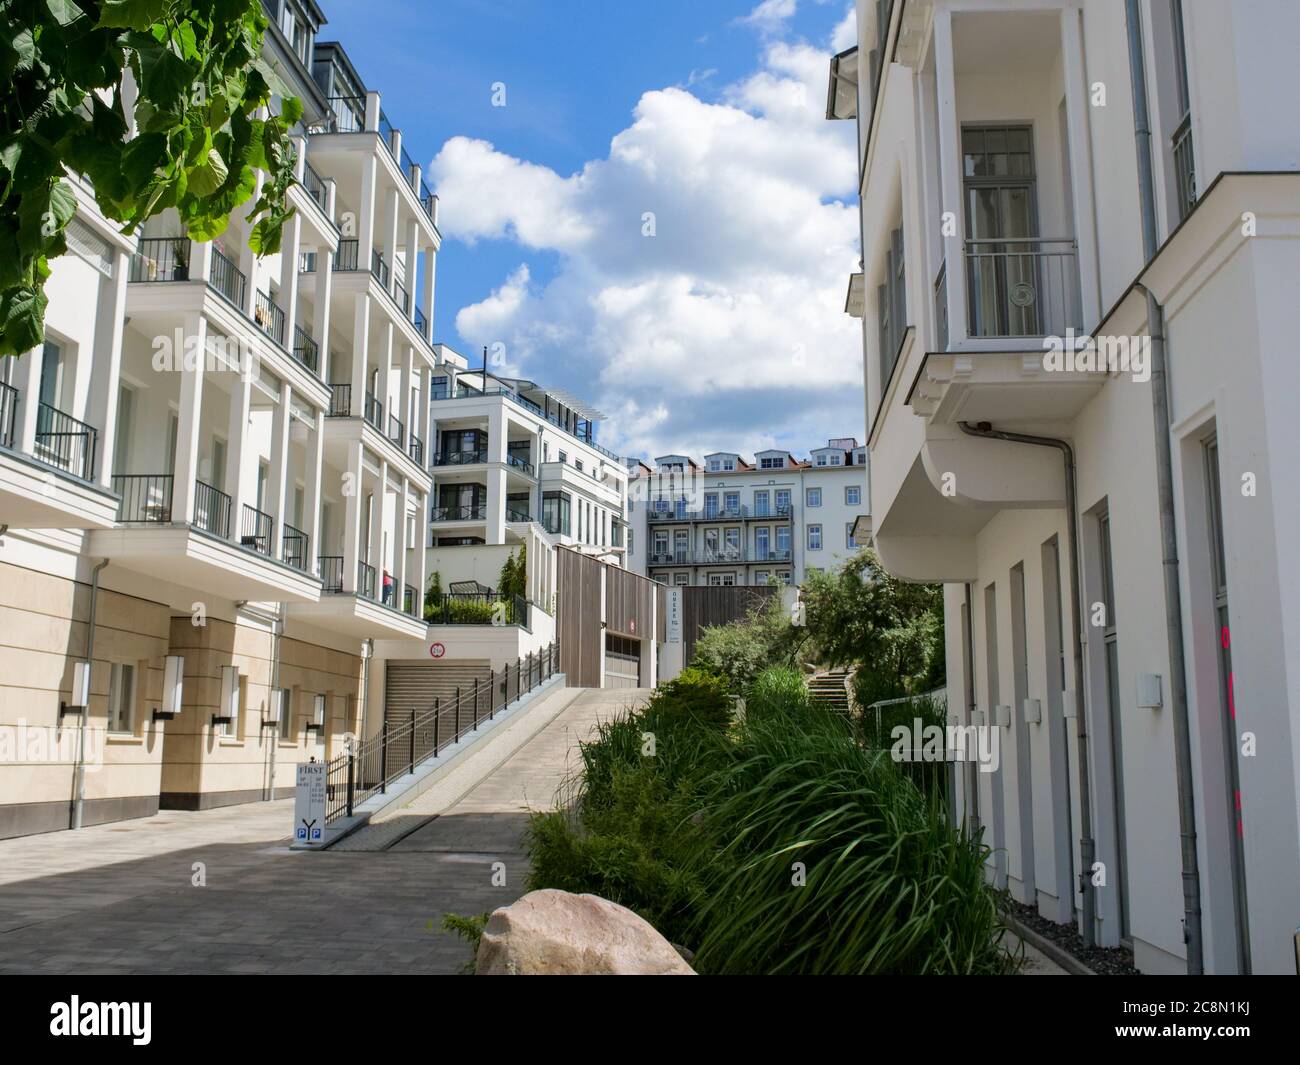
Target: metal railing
(466,391)
(403,743)
(415,448)
(304,348)
(340,401)
(1184,166)
(429,202)
(374,411)
(460,458)
(940,307)
(146,497)
(346,256)
(211,510)
(8,411)
(315,186)
(64,442)
(402,297)
(161,259)
(365,580)
(421,323)
(228,279)
(410,601)
(255,530)
(386,132)
(349,113)
(523,465)
(269,316)
(396,431)
(331,573)
(514,514)
(741,512)
(379,267)
(719,557)
(469,512)
(476,608)
(1022,286)
(293,548)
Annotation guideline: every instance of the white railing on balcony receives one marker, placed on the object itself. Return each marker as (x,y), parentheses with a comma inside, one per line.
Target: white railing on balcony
(1022,286)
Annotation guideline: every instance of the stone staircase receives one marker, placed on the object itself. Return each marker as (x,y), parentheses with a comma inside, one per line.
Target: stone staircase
(829,689)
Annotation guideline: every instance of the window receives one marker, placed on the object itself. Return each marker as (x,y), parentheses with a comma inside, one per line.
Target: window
(821,460)
(661,543)
(772,462)
(577,465)
(762,504)
(891,306)
(849,542)
(782,502)
(784,576)
(438,386)
(761,577)
(681,579)
(121,698)
(813,497)
(631,542)
(728,464)
(731,501)
(722,580)
(711,543)
(783,541)
(286,715)
(814,537)
(710,504)
(731,542)
(715,465)
(837,460)
(564,456)
(852,495)
(761,542)
(555,513)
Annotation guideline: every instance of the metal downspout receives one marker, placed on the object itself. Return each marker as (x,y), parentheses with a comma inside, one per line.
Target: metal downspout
(79,771)
(1087,845)
(1165,499)
(973,811)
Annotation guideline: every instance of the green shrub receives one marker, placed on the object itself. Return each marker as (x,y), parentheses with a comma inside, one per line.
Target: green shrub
(696,693)
(777,689)
(741,650)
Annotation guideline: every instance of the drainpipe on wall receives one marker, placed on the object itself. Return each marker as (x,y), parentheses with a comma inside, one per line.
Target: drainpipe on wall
(1165,499)
(1087,845)
(973,813)
(367,652)
(79,771)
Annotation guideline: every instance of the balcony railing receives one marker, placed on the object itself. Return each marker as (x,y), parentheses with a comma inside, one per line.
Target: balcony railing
(269,316)
(1022,286)
(331,573)
(146,497)
(386,132)
(721,556)
(396,431)
(304,348)
(228,279)
(1184,166)
(255,530)
(940,308)
(64,442)
(460,458)
(415,448)
(514,514)
(294,548)
(464,391)
(522,465)
(467,512)
(365,580)
(421,323)
(402,297)
(211,510)
(340,401)
(410,601)
(349,113)
(161,259)
(374,411)
(8,412)
(379,267)
(346,256)
(476,608)
(429,202)
(311,181)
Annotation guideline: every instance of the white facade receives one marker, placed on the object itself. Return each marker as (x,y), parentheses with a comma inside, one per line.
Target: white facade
(729,521)
(1001,206)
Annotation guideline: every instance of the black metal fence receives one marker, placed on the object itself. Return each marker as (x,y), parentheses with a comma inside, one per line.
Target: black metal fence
(8,408)
(294,548)
(255,530)
(64,442)
(331,573)
(340,401)
(146,497)
(400,746)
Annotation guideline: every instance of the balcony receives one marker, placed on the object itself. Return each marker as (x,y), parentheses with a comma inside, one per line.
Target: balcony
(415,448)
(269,317)
(340,401)
(369,609)
(521,464)
(315,186)
(294,548)
(1184,166)
(152,538)
(460,458)
(50,487)
(465,512)
(305,349)
(1022,287)
(662,511)
(469,392)
(397,431)
(718,557)
(515,514)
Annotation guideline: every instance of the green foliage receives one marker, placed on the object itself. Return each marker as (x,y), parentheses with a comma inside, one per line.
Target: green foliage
(820,858)
(196,146)
(893,630)
(470,929)
(698,694)
(741,650)
(777,689)
(514,574)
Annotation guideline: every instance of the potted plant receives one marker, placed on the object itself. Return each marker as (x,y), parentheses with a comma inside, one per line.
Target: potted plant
(181,259)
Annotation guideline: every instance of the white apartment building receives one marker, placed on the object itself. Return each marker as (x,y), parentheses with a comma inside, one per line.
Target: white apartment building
(1120,603)
(213,479)
(727,521)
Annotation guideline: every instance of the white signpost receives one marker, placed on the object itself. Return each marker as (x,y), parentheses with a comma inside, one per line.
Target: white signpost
(309,804)
(674,615)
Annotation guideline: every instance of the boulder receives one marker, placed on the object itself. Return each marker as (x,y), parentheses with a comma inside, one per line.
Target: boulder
(557,933)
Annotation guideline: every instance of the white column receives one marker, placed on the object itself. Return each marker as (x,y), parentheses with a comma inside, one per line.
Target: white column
(430,266)
(950,194)
(280,422)
(412,252)
(363,227)
(247,260)
(377,519)
(360,353)
(354,498)
(421,545)
(315,465)
(496,476)
(404,392)
(237,439)
(391,213)
(188,423)
(321,319)
(1076,121)
(28,383)
(384,393)
(289,277)
(400,545)
(422,412)
(101,407)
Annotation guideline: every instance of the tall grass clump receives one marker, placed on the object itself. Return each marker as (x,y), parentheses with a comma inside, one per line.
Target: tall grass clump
(821,857)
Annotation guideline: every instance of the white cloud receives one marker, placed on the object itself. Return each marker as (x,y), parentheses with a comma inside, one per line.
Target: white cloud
(726,328)
(845,34)
(770,16)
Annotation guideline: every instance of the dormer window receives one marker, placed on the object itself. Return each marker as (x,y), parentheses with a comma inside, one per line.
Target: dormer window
(772,462)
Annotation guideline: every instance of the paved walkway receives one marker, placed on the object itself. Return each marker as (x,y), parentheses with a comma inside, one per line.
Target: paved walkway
(220,891)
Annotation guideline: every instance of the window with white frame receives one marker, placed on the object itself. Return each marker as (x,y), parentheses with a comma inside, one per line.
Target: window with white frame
(681,579)
(837,459)
(814,537)
(852,495)
(821,460)
(814,497)
(715,465)
(121,697)
(849,542)
(772,462)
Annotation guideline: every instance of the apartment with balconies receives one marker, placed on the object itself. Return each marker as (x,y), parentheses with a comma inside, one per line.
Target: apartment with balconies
(727,521)
(215,477)
(1077,224)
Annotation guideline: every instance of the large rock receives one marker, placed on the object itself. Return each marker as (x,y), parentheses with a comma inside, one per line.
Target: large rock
(557,933)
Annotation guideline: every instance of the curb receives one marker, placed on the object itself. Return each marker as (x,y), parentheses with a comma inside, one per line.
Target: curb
(1062,957)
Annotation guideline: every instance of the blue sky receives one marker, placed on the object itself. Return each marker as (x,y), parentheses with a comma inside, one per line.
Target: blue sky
(543,203)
